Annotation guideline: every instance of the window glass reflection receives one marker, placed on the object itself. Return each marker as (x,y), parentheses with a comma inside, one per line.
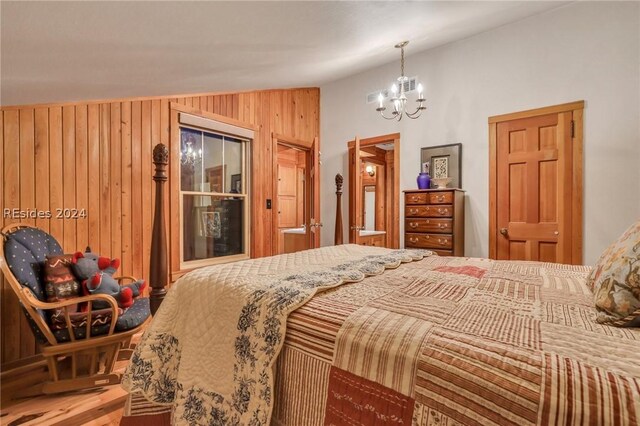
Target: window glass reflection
(212,226)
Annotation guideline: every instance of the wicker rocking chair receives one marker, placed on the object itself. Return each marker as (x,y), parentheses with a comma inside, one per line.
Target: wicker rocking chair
(80,351)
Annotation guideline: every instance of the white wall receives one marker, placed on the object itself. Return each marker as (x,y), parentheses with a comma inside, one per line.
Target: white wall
(583,51)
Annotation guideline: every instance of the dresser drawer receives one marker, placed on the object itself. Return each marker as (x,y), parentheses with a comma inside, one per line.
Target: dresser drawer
(443,252)
(415,198)
(434,241)
(428,211)
(440,197)
(429,225)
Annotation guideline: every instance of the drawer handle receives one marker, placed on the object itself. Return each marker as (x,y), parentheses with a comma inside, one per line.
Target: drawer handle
(413,225)
(413,240)
(442,211)
(414,198)
(440,198)
(442,226)
(413,211)
(441,242)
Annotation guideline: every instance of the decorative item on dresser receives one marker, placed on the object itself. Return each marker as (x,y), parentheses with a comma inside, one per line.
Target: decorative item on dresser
(424,180)
(444,165)
(434,219)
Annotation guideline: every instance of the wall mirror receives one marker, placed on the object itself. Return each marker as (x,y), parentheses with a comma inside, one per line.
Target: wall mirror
(369,207)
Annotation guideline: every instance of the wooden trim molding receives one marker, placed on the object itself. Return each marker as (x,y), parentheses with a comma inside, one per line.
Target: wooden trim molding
(577,196)
(493,181)
(211,116)
(391,137)
(571,106)
(150,98)
(288,140)
(218,126)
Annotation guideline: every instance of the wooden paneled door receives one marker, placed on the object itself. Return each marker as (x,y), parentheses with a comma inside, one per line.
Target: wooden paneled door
(287,195)
(536,185)
(296,192)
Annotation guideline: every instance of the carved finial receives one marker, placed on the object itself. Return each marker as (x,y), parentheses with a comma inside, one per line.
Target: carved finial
(161,154)
(339,180)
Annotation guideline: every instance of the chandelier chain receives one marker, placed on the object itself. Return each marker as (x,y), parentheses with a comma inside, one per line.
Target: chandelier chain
(402,61)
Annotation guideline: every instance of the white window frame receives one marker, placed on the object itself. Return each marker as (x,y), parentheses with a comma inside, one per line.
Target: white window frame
(203,124)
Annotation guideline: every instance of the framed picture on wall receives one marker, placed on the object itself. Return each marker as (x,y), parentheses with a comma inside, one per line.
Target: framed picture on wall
(442,162)
(211,224)
(236,184)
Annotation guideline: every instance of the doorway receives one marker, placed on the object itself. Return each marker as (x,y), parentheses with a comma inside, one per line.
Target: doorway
(535,185)
(296,224)
(374,185)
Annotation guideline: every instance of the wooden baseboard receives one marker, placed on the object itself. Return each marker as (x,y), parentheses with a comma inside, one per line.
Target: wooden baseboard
(9,368)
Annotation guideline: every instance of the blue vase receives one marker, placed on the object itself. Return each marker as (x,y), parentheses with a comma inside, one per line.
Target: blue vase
(424,181)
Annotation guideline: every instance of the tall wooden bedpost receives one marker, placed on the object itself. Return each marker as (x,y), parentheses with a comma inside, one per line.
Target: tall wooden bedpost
(337,240)
(159,259)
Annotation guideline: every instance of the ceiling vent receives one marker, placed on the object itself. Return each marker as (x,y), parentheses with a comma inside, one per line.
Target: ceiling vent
(409,86)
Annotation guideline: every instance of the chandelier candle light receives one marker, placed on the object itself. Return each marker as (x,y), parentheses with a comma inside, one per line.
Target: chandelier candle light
(399,100)
(188,155)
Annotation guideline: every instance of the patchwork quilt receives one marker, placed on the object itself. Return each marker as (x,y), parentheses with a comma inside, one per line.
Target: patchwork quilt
(210,349)
(437,341)
(458,341)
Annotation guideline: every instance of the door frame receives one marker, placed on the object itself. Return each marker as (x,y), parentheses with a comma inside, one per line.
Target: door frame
(393,231)
(312,197)
(576,108)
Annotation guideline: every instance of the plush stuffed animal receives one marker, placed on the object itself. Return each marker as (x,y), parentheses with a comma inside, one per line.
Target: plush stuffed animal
(96,273)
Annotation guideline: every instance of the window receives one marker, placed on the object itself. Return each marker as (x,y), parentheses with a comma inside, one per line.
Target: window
(213,196)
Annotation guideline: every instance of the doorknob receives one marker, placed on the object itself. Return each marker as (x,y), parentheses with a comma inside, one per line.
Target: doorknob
(504,231)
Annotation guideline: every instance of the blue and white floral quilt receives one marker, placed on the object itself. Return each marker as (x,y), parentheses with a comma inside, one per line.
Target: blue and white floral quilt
(209,351)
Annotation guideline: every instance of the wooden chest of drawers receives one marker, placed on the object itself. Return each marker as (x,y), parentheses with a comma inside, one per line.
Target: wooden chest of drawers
(434,220)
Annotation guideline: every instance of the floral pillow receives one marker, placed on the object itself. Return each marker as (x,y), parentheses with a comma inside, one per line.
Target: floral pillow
(615,281)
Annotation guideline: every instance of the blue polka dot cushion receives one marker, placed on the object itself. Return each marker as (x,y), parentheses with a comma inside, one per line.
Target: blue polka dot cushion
(132,317)
(26,251)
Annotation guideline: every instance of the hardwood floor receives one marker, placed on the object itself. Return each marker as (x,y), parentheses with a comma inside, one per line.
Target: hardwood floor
(92,407)
(97,407)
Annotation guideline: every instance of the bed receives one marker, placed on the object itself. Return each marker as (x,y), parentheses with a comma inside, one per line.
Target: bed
(351,335)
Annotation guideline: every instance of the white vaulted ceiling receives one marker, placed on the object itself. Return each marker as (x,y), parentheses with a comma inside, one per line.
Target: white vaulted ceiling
(64,51)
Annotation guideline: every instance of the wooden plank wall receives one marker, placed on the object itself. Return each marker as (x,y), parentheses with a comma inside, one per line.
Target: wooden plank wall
(96,156)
